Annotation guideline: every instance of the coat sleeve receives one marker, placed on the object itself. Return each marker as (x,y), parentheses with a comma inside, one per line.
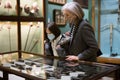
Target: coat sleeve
(88,36)
(48,49)
(61,52)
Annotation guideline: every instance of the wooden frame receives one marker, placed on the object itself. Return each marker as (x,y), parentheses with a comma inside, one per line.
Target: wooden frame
(8,8)
(58,17)
(83,3)
(59,2)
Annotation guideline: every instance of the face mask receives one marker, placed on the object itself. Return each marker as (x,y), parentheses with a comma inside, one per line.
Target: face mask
(51,36)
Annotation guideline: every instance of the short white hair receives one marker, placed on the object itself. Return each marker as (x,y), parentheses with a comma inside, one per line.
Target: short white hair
(75,8)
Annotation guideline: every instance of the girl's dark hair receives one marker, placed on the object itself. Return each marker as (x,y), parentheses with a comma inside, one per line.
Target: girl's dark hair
(54,29)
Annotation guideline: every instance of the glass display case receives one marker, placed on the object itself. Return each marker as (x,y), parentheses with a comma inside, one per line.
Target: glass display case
(21,27)
(110,28)
(8,7)
(32,36)
(45,68)
(8,36)
(106,19)
(31,8)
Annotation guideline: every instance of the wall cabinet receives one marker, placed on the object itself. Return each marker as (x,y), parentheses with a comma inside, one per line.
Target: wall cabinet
(21,27)
(107,29)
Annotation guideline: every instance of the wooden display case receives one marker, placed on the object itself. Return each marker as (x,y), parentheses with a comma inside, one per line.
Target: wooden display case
(108,31)
(22,27)
(46,68)
(32,8)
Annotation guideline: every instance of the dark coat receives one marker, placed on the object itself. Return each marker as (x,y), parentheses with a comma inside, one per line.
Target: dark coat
(84,44)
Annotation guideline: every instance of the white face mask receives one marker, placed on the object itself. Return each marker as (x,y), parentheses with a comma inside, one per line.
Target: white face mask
(51,36)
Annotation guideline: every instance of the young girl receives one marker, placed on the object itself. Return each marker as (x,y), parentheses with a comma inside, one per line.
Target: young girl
(54,36)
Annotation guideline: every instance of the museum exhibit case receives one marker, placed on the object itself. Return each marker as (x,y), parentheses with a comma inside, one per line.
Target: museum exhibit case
(106,21)
(110,28)
(21,28)
(50,68)
(8,7)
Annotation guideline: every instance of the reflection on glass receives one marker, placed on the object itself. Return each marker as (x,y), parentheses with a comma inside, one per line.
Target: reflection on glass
(8,58)
(32,37)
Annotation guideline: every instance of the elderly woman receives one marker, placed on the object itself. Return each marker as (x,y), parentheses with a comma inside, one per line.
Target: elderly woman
(83,45)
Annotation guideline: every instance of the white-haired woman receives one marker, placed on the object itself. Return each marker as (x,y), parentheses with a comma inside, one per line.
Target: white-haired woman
(83,45)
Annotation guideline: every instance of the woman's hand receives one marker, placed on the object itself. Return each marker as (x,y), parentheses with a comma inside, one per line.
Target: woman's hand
(72,58)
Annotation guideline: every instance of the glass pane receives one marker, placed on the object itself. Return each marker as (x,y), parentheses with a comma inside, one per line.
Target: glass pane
(8,37)
(58,69)
(8,7)
(32,37)
(110,28)
(33,8)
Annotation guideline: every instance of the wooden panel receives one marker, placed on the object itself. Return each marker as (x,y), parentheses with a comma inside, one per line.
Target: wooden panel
(109,60)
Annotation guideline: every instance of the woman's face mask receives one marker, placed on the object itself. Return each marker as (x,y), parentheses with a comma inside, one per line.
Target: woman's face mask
(51,36)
